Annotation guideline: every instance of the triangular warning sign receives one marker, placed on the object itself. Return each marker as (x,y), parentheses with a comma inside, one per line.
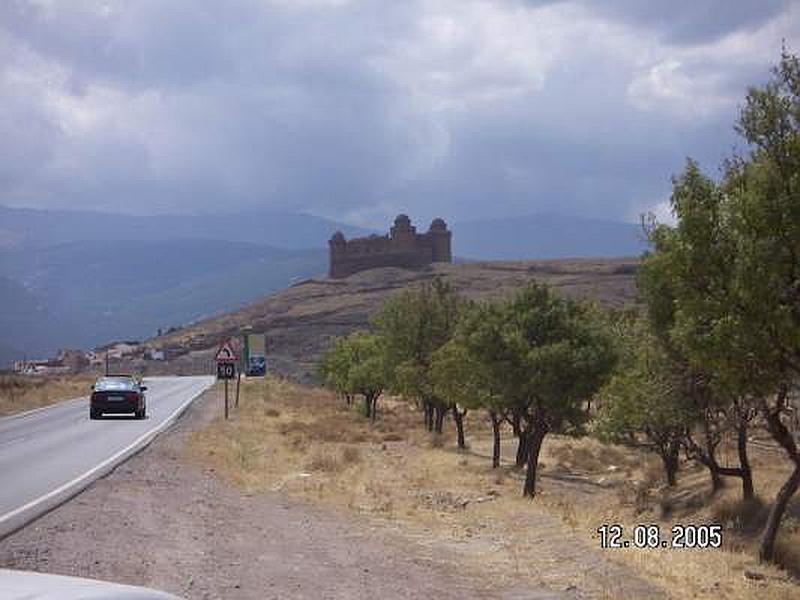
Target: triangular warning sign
(226,352)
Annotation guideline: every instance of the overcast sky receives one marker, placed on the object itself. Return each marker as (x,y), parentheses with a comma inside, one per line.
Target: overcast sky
(357,110)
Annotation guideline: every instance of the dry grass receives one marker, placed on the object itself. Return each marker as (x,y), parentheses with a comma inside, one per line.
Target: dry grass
(304,442)
(19,392)
(633,492)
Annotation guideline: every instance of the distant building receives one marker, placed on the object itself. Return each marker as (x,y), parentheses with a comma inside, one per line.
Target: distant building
(74,360)
(117,349)
(403,247)
(50,366)
(154,354)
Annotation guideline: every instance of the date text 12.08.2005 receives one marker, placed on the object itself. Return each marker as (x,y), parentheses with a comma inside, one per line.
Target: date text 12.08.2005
(680,536)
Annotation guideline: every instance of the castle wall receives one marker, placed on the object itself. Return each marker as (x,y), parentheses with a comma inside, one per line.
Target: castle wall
(403,247)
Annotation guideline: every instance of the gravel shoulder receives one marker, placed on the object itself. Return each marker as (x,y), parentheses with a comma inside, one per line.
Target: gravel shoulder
(161,522)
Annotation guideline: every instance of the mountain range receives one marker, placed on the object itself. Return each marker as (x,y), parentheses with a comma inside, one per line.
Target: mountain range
(80,278)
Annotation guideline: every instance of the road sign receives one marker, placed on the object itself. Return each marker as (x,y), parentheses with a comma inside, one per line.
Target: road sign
(255,355)
(226,369)
(226,352)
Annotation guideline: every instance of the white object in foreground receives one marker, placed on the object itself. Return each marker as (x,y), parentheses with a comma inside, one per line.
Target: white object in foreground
(24,585)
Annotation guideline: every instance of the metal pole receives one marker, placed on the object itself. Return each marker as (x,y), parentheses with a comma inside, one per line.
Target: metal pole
(106,362)
(226,399)
(238,380)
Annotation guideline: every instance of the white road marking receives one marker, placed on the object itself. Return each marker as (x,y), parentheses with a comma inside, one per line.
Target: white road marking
(138,443)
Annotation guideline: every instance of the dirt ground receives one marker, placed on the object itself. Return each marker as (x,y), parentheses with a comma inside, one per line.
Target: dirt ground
(298,495)
(306,443)
(160,522)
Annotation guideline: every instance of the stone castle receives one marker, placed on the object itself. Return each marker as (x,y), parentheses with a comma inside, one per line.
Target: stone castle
(403,247)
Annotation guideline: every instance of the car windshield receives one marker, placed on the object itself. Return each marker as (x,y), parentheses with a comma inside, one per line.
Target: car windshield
(114,383)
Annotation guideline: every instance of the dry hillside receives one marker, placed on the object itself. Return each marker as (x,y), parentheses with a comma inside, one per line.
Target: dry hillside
(300,321)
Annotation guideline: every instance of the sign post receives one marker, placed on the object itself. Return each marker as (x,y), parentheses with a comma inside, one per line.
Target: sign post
(238,383)
(226,368)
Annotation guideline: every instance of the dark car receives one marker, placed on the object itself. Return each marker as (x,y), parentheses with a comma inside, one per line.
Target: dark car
(117,394)
(257,366)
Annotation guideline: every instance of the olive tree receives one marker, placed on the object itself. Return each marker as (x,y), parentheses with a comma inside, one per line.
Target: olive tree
(763,321)
(643,405)
(458,374)
(356,365)
(547,355)
(414,324)
(737,306)
(685,284)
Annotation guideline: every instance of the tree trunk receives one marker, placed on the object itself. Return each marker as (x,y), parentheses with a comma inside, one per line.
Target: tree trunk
(712,441)
(522,449)
(458,417)
(496,438)
(669,456)
(374,412)
(428,408)
(716,480)
(534,445)
(367,406)
(783,436)
(440,413)
(748,491)
(767,551)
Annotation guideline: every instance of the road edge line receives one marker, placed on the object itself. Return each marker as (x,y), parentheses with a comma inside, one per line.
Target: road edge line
(19,517)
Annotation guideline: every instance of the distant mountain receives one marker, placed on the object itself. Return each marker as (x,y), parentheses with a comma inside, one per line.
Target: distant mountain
(545,236)
(80,278)
(84,278)
(22,227)
(98,290)
(27,326)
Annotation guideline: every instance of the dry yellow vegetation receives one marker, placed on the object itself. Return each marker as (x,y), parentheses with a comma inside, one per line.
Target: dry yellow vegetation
(20,392)
(305,442)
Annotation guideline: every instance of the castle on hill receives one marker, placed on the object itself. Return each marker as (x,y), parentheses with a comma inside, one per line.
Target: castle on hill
(403,247)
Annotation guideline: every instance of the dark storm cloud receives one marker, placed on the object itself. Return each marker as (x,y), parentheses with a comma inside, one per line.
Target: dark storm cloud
(360,109)
(685,21)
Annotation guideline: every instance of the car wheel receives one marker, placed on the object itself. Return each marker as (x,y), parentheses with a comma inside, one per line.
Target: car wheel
(93,414)
(140,414)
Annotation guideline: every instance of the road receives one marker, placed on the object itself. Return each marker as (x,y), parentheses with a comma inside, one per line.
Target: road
(48,455)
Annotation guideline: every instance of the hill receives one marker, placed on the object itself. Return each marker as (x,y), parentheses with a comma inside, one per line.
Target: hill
(26,323)
(81,294)
(300,321)
(545,236)
(23,227)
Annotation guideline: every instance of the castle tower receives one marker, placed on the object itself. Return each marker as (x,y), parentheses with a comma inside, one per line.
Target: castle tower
(440,239)
(403,233)
(337,246)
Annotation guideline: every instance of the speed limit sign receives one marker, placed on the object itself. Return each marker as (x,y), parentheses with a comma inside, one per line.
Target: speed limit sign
(226,369)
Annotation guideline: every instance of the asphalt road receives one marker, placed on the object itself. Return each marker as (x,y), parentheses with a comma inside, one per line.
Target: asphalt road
(48,455)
